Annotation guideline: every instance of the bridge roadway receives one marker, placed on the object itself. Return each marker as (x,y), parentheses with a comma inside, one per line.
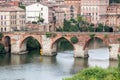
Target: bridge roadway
(16,41)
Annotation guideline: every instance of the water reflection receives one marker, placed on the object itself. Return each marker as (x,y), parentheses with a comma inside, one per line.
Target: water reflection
(32,66)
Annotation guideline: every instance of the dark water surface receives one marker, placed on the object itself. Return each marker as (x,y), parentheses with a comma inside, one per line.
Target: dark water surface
(35,67)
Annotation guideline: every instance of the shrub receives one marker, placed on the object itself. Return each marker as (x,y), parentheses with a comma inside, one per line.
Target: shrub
(74,39)
(48,34)
(34,22)
(96,74)
(92,35)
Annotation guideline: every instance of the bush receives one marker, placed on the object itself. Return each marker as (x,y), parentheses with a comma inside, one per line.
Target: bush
(92,35)
(48,34)
(34,22)
(74,39)
(96,74)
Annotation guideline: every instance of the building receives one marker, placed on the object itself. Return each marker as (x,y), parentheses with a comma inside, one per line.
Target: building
(29,2)
(49,12)
(72,8)
(112,16)
(35,10)
(92,9)
(11,18)
(2,1)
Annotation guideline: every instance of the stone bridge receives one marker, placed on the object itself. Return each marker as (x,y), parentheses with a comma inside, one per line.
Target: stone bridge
(16,42)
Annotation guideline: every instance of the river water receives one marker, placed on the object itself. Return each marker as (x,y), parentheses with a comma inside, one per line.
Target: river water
(32,66)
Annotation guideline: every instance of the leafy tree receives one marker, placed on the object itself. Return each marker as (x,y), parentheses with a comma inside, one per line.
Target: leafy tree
(66,26)
(73,29)
(106,28)
(80,19)
(1,35)
(91,28)
(114,1)
(40,19)
(73,20)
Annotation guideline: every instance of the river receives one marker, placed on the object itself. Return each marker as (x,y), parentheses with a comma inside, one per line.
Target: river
(32,66)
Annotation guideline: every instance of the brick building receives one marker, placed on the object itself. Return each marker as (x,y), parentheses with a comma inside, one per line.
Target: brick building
(72,8)
(92,9)
(112,16)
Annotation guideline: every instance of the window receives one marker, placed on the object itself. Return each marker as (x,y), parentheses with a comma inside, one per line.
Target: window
(1,17)
(41,14)
(41,9)
(1,23)
(5,23)
(5,28)
(4,17)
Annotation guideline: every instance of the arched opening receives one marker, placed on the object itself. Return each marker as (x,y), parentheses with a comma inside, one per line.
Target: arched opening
(94,43)
(97,53)
(61,45)
(30,44)
(7,43)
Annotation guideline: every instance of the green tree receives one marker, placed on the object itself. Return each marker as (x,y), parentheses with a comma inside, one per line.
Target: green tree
(66,26)
(1,35)
(40,19)
(114,1)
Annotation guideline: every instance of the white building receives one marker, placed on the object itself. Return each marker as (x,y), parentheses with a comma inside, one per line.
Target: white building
(35,10)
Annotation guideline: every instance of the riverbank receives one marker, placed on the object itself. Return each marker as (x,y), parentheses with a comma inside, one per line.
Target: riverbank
(97,74)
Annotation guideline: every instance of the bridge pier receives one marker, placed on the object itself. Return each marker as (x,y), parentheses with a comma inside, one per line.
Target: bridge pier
(114,51)
(46,48)
(15,47)
(79,52)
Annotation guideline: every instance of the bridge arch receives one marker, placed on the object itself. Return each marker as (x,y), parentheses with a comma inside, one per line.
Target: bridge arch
(94,43)
(7,43)
(54,45)
(23,43)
